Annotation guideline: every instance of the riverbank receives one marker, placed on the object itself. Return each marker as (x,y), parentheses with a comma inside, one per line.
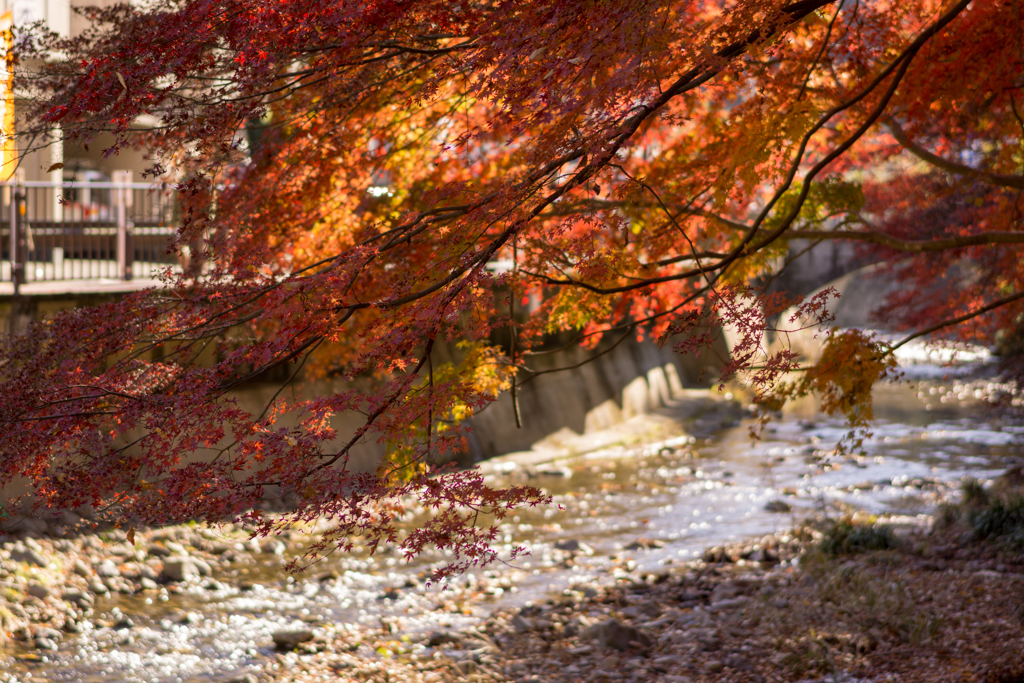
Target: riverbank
(848,600)
(858,598)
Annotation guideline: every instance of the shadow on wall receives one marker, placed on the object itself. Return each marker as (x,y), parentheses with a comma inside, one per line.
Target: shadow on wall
(631,379)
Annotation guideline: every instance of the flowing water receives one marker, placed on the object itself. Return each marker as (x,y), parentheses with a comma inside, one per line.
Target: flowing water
(676,501)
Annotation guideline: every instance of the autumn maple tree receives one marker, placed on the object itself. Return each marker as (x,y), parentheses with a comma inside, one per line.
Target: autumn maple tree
(368,180)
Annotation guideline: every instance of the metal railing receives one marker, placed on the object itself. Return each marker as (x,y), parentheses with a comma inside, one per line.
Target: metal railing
(85,230)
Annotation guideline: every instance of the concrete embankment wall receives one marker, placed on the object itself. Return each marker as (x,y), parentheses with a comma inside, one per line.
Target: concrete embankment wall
(594,390)
(634,378)
(860,292)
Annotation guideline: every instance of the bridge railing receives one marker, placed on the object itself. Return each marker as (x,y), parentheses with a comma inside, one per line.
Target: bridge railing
(85,230)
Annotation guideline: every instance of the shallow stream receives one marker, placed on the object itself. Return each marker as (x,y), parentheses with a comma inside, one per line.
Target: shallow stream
(634,510)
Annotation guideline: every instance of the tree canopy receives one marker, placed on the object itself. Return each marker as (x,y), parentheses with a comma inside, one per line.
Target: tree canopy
(368,179)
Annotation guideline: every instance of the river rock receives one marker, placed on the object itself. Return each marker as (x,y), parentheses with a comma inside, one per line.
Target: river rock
(121,550)
(438,638)
(467,666)
(274,548)
(563,472)
(80,599)
(201,566)
(613,633)
(45,644)
(714,666)
(107,569)
(188,618)
(38,591)
(645,544)
(739,663)
(574,546)
(28,556)
(649,610)
(716,555)
(81,568)
(31,525)
(522,624)
(778,506)
(47,632)
(666,662)
(69,519)
(729,603)
(179,569)
(289,640)
(175,548)
(725,591)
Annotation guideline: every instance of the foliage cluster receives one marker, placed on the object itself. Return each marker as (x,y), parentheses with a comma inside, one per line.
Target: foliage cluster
(993,514)
(443,172)
(847,537)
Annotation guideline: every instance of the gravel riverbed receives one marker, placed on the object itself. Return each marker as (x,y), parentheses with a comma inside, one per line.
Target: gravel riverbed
(683,562)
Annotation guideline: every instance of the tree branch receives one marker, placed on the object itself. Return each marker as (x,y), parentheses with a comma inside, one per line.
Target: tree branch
(1014,182)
